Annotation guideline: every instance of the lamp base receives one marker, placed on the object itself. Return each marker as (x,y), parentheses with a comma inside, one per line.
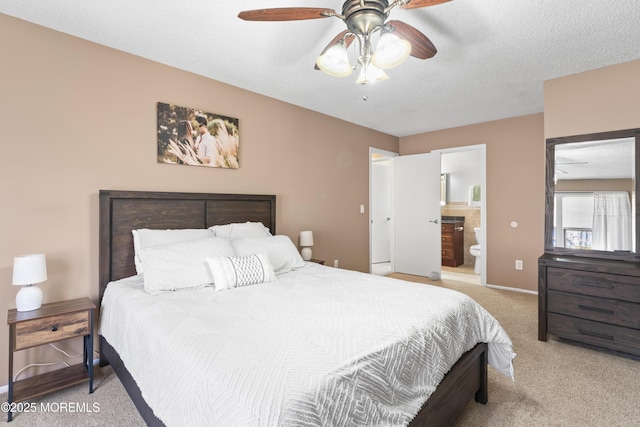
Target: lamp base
(306,254)
(29,298)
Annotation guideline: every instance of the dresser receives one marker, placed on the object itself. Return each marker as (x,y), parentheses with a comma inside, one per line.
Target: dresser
(590,300)
(452,241)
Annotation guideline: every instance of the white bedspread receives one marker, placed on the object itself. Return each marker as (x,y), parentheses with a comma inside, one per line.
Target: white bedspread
(319,346)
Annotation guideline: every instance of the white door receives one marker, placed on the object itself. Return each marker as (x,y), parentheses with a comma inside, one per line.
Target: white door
(417,240)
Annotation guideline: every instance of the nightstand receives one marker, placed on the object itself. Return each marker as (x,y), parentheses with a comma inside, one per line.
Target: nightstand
(51,323)
(317,261)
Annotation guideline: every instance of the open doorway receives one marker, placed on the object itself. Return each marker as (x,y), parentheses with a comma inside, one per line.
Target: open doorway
(465,169)
(381,237)
(380,211)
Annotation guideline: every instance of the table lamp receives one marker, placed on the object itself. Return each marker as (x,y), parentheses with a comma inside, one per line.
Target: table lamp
(306,241)
(27,271)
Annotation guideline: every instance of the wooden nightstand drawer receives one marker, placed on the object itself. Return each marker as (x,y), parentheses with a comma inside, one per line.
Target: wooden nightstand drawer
(51,329)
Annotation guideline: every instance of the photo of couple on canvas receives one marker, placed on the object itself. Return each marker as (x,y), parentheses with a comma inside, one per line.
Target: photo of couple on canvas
(192,137)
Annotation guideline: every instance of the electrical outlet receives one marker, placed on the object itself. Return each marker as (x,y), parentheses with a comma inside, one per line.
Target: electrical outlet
(518,264)
(335,263)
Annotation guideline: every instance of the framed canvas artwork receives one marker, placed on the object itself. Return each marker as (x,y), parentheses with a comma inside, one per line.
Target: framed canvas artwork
(188,136)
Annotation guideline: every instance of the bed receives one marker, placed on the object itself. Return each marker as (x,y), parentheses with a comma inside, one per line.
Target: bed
(124,211)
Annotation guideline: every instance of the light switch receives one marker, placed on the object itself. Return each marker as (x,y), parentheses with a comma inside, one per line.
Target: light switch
(361,208)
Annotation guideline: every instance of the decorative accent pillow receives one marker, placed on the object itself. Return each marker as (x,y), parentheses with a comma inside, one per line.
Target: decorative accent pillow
(181,265)
(281,251)
(240,230)
(234,272)
(145,238)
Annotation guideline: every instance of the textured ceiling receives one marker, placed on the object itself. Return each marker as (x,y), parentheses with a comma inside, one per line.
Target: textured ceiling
(606,159)
(493,55)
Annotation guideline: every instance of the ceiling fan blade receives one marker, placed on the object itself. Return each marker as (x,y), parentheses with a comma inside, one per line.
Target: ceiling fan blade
(347,43)
(286,14)
(415,4)
(421,46)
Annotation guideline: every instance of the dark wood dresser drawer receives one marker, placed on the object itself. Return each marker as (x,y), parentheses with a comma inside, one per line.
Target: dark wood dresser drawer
(447,253)
(447,240)
(600,334)
(613,286)
(598,309)
(448,228)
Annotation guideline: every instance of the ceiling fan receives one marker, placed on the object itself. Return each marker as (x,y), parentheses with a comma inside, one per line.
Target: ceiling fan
(364,19)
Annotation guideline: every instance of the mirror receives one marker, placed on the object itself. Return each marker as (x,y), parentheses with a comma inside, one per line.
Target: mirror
(591,206)
(443,189)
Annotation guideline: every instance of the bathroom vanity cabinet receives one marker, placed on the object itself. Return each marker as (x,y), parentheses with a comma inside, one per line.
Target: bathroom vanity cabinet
(452,242)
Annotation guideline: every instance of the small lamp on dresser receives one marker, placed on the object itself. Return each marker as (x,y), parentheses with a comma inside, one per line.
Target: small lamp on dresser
(306,241)
(27,271)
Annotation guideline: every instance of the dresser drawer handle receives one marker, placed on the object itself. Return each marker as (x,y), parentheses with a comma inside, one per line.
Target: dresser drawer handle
(595,334)
(596,309)
(605,285)
(54,328)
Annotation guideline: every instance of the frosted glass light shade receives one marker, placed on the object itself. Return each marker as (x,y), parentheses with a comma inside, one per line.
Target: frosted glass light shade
(335,61)
(28,270)
(371,74)
(391,51)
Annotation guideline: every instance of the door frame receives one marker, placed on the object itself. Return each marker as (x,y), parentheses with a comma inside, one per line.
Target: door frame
(384,153)
(483,201)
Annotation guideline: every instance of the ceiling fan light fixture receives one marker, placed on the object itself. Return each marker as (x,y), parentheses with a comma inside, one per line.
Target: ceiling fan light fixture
(391,51)
(371,74)
(335,61)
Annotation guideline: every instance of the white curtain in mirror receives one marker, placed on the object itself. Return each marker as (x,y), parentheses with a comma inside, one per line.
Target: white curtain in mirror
(611,221)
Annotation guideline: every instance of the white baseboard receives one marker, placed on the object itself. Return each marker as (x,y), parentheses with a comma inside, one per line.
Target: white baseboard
(506,288)
(5,388)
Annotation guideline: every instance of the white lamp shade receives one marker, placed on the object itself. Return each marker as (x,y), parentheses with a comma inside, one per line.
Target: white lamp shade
(391,51)
(306,238)
(335,61)
(29,269)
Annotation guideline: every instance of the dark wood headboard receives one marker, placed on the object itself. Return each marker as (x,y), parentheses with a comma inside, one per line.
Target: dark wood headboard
(123,211)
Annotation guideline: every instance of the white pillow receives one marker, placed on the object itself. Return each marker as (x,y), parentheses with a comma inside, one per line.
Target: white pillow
(232,272)
(181,265)
(145,238)
(281,251)
(240,230)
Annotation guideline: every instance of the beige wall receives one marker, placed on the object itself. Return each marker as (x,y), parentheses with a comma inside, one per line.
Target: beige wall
(595,101)
(77,117)
(515,191)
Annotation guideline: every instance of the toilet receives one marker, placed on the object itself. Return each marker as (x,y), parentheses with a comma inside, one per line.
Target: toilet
(476,251)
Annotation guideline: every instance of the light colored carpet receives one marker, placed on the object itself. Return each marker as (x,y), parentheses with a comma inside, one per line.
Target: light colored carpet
(556,383)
